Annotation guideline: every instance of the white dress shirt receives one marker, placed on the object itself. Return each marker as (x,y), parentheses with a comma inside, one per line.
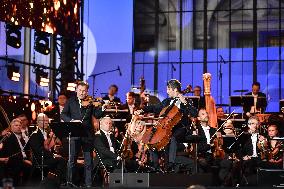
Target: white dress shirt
(206,130)
(254,137)
(19,136)
(131,108)
(253,108)
(109,140)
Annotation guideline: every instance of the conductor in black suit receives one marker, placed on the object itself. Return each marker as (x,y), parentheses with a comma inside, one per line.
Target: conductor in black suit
(74,111)
(260,104)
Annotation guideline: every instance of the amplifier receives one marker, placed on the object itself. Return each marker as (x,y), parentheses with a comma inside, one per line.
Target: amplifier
(270,177)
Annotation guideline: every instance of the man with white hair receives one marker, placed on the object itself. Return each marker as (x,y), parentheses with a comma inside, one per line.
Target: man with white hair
(54,164)
(105,142)
(14,147)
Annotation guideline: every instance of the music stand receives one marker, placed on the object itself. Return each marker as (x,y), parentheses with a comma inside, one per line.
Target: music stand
(246,100)
(227,142)
(195,100)
(68,130)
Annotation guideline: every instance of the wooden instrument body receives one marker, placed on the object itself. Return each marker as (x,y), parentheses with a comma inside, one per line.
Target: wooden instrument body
(158,137)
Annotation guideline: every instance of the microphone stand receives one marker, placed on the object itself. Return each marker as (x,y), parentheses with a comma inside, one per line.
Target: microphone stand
(221,78)
(101,73)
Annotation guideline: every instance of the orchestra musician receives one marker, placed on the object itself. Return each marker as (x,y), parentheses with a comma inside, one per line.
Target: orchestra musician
(13,154)
(112,91)
(252,149)
(259,104)
(179,131)
(106,144)
(205,156)
(37,144)
(74,111)
(274,159)
(26,130)
(55,111)
(197,92)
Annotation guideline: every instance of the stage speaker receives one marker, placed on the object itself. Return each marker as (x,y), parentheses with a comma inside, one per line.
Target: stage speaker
(145,180)
(270,177)
(117,180)
(137,180)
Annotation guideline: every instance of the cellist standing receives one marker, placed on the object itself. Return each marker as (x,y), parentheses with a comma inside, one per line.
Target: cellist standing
(175,97)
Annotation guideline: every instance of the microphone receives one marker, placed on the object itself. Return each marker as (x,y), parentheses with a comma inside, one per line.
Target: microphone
(222,59)
(174,68)
(118,68)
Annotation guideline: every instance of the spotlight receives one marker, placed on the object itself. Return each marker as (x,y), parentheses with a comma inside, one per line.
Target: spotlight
(13,72)
(42,43)
(13,35)
(41,77)
(71,87)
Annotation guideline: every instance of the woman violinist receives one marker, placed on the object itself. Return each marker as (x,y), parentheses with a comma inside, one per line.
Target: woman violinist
(274,155)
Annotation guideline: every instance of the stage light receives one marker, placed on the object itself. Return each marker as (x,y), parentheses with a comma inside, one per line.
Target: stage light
(13,72)
(13,35)
(41,77)
(42,43)
(71,87)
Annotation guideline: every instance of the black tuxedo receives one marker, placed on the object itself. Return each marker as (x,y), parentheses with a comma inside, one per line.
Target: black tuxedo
(103,148)
(15,165)
(201,102)
(36,144)
(73,111)
(202,146)
(259,104)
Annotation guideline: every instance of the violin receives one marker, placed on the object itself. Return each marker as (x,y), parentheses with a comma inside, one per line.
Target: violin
(51,141)
(142,154)
(126,148)
(273,153)
(90,101)
(263,148)
(218,152)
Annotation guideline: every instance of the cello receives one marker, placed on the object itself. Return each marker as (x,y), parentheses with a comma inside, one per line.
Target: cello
(158,136)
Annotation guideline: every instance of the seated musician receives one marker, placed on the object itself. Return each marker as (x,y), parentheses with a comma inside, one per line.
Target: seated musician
(112,91)
(197,92)
(106,144)
(37,143)
(259,104)
(131,104)
(250,151)
(229,172)
(205,157)
(14,155)
(274,149)
(179,130)
(26,130)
